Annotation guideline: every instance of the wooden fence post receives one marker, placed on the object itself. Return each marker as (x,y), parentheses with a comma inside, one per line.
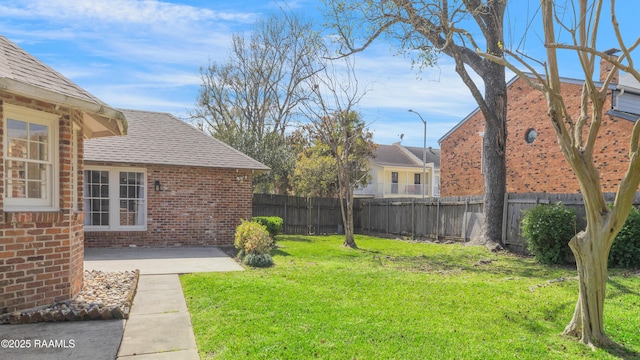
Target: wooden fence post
(438,219)
(413,227)
(505,218)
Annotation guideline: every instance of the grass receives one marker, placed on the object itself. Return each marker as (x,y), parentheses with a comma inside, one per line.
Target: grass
(399,300)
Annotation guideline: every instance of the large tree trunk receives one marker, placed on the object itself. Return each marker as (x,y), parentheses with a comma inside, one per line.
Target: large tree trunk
(495,170)
(591,250)
(494,108)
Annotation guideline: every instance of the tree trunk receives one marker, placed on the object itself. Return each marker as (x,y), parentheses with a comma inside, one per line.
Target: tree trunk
(349,239)
(346,207)
(591,252)
(494,154)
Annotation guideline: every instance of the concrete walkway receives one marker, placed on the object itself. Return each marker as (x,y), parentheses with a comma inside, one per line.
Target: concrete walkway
(159,325)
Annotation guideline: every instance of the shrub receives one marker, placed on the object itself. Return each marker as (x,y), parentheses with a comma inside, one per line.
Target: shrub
(548,230)
(625,251)
(258,260)
(272,223)
(252,238)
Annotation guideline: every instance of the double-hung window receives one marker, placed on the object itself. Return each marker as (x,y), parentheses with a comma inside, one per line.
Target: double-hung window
(115,199)
(30,168)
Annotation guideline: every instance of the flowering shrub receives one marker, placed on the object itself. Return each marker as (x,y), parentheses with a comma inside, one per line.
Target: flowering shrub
(252,239)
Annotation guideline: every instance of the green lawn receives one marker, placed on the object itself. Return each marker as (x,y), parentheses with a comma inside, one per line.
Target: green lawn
(399,300)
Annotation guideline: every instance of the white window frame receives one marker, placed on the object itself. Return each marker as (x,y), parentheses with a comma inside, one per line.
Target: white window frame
(114,199)
(52,200)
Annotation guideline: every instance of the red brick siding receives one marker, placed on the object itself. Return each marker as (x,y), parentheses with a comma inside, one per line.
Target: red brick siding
(536,167)
(41,253)
(197,206)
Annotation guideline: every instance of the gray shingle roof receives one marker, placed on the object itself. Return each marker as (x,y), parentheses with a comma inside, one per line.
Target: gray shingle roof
(17,64)
(406,156)
(160,138)
(433,155)
(393,155)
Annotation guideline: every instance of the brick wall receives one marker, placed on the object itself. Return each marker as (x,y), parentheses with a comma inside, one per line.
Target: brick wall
(196,206)
(41,253)
(531,167)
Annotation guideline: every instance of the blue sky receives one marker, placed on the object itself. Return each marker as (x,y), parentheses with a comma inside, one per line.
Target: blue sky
(146,55)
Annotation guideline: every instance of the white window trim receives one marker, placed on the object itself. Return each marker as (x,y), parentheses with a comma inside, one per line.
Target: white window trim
(52,203)
(114,199)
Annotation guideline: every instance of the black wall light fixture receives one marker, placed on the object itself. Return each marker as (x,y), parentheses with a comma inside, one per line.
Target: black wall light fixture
(156,185)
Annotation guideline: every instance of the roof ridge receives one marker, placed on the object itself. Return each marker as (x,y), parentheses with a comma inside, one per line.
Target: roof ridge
(405,150)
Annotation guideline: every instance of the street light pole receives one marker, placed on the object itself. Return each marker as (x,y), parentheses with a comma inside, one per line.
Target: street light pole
(424,155)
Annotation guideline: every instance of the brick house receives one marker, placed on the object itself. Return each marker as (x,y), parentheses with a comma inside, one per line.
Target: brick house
(45,118)
(164,184)
(534,160)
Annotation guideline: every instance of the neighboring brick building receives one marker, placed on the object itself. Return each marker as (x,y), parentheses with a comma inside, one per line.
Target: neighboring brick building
(534,160)
(44,119)
(165,184)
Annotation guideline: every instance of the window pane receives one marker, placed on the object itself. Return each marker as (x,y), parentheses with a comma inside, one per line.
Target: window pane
(35,189)
(36,171)
(16,189)
(97,198)
(28,141)
(132,202)
(15,169)
(17,148)
(16,129)
(38,132)
(38,151)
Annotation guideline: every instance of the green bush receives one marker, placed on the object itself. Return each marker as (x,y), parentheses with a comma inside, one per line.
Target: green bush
(252,238)
(272,223)
(548,230)
(625,251)
(258,260)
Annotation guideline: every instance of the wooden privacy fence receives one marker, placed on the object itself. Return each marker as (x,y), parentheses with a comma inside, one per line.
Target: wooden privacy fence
(450,218)
(445,218)
(516,204)
(301,215)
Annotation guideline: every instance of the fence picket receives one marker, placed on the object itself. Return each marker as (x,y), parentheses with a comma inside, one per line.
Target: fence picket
(445,218)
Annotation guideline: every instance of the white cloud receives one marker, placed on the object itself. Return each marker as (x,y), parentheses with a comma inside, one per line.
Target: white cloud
(120,11)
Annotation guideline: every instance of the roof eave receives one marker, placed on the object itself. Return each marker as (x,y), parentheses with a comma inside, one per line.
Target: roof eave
(109,121)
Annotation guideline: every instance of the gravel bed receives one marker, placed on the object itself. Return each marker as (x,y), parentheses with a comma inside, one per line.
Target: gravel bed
(104,296)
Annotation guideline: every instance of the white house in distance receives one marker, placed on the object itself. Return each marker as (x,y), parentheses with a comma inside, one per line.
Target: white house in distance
(397,172)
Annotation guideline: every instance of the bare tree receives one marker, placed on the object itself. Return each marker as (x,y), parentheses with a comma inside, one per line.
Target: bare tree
(577,131)
(249,100)
(334,122)
(427,28)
